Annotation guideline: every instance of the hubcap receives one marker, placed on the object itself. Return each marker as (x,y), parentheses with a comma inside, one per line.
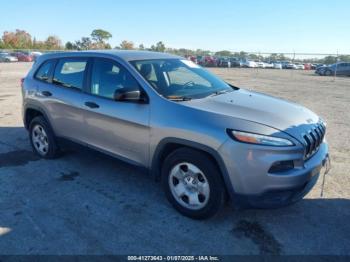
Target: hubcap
(189,186)
(40,140)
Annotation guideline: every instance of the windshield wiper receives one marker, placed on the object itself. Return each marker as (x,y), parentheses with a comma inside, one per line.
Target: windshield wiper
(179,98)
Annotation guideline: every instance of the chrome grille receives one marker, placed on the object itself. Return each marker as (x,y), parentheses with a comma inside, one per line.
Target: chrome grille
(313,139)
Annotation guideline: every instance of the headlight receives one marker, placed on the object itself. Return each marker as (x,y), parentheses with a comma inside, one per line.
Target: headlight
(252,138)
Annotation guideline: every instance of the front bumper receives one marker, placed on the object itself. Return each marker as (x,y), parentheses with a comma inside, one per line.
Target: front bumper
(252,184)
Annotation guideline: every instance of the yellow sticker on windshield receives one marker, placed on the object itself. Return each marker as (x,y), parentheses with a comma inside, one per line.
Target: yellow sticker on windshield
(190,63)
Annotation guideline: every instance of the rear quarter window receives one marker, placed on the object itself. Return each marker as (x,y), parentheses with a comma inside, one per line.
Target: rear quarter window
(45,70)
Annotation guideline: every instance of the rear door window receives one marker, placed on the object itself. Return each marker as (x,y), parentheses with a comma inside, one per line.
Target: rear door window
(70,72)
(45,71)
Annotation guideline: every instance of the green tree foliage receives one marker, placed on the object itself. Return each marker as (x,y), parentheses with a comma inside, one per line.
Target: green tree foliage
(223,53)
(329,60)
(159,47)
(100,35)
(83,44)
(344,58)
(70,46)
(181,51)
(240,55)
(141,47)
(53,43)
(255,57)
(276,57)
(127,45)
(19,39)
(201,52)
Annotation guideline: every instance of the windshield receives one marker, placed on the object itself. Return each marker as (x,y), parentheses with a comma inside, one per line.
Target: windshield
(180,79)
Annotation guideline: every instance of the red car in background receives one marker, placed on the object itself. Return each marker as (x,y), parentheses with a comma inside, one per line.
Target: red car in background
(208,61)
(23,56)
(192,58)
(307,66)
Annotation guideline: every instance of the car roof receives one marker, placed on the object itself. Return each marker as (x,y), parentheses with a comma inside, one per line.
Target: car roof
(127,55)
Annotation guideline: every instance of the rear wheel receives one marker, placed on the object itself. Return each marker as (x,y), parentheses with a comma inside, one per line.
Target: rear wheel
(192,183)
(42,138)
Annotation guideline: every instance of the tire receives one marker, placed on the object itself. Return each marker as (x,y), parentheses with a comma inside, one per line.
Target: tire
(191,176)
(42,138)
(328,73)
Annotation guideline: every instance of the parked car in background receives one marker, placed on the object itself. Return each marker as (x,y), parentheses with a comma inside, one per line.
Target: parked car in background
(6,57)
(224,62)
(248,63)
(35,55)
(192,58)
(313,66)
(260,64)
(341,68)
(307,66)
(299,66)
(235,62)
(277,65)
(320,65)
(209,61)
(284,64)
(290,66)
(23,56)
(320,70)
(268,64)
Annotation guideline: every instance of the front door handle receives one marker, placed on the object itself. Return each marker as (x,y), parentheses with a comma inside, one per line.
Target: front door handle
(92,105)
(46,93)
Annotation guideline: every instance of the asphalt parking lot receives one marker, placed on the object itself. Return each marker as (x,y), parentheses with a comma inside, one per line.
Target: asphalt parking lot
(88,203)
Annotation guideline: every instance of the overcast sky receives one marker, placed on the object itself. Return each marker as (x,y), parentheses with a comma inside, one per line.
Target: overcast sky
(311,26)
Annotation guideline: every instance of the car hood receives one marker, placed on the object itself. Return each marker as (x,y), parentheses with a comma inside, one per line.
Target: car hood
(277,113)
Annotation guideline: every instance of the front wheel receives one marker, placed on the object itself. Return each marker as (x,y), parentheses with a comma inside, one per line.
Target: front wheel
(328,72)
(192,183)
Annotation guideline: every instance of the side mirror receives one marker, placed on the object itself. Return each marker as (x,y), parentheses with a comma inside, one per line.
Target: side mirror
(128,95)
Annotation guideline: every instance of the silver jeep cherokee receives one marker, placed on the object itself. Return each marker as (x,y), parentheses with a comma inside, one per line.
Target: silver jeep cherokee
(203,138)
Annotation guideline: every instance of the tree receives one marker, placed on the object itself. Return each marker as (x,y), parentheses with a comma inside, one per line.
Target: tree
(127,45)
(330,60)
(159,47)
(201,52)
(223,53)
(70,46)
(53,43)
(255,57)
(17,40)
(141,47)
(100,35)
(344,58)
(84,44)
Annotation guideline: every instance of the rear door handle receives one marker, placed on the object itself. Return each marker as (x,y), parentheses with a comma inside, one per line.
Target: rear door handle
(92,105)
(46,93)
